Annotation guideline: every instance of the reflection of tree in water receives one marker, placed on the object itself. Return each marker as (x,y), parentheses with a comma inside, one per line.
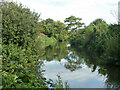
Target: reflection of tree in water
(75,58)
(58,52)
(113,76)
(73,61)
(93,61)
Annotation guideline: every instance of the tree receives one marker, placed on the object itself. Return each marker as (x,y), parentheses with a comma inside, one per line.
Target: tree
(20,25)
(55,29)
(19,31)
(49,21)
(73,23)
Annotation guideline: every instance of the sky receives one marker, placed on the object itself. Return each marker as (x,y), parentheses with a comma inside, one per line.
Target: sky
(88,10)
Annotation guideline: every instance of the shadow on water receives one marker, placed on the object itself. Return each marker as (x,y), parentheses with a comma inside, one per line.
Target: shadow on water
(74,59)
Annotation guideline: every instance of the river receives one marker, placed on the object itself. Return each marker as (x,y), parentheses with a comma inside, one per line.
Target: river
(79,69)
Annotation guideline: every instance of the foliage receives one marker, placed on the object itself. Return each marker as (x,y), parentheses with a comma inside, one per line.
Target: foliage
(15,75)
(59,83)
(73,23)
(24,37)
(45,41)
(16,68)
(55,29)
(101,38)
(20,25)
(20,36)
(112,44)
(91,37)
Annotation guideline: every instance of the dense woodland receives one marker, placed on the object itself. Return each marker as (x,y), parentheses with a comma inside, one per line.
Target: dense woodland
(25,35)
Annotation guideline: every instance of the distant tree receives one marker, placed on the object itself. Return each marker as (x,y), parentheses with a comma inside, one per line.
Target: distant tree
(55,29)
(49,21)
(73,23)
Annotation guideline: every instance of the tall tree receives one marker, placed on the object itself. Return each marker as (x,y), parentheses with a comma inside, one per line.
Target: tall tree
(73,23)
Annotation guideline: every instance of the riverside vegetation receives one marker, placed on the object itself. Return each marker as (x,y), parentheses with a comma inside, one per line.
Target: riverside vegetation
(25,36)
(22,41)
(99,38)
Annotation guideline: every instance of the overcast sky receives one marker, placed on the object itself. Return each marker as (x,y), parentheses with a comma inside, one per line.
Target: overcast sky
(88,10)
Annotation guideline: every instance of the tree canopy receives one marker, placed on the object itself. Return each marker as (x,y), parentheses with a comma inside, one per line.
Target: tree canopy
(73,23)
(55,29)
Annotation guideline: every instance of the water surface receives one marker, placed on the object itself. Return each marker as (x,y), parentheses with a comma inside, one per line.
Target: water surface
(79,69)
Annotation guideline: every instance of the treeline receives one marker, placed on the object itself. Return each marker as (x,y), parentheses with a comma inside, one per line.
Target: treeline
(100,38)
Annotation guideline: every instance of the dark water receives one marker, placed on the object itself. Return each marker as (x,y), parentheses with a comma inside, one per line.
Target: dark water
(80,69)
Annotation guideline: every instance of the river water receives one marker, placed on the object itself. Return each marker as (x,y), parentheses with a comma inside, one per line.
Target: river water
(80,70)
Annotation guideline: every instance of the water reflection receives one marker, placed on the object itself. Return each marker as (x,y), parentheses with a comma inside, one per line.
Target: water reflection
(78,79)
(106,68)
(57,52)
(81,69)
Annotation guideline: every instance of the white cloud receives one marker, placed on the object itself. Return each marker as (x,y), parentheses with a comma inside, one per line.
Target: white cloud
(85,9)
